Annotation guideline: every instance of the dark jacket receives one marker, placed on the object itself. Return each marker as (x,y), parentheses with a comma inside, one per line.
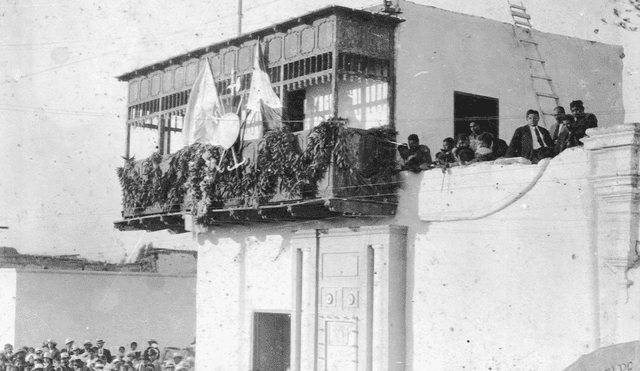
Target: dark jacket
(522,143)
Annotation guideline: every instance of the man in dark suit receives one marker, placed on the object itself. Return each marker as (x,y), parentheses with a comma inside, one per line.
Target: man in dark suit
(531,141)
(103,354)
(557,127)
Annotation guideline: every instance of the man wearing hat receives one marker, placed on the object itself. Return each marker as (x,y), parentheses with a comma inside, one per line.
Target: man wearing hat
(6,354)
(103,354)
(68,345)
(87,345)
(55,352)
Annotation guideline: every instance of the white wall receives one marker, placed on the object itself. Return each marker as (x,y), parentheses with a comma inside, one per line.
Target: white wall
(8,305)
(119,307)
(514,289)
(238,275)
(439,52)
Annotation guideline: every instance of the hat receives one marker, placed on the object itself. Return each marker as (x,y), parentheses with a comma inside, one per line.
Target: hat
(169,363)
(38,350)
(87,342)
(52,341)
(99,341)
(67,341)
(64,355)
(48,355)
(75,347)
(154,345)
(98,365)
(152,341)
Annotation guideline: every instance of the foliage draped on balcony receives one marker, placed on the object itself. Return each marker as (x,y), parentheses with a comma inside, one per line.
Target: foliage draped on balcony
(280,167)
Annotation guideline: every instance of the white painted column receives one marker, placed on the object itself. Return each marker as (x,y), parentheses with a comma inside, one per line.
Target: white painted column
(305,241)
(379,358)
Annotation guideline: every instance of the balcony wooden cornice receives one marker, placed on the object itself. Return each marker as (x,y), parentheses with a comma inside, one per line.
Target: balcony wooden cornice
(309,18)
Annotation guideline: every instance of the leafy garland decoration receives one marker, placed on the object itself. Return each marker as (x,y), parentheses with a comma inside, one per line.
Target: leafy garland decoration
(281,167)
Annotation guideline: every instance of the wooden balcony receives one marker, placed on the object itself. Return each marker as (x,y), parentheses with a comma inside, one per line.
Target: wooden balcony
(330,171)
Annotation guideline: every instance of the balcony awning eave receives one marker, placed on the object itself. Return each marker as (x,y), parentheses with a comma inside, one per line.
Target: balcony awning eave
(303,210)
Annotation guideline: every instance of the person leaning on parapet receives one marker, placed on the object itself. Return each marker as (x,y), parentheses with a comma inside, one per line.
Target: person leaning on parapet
(416,156)
(531,141)
(571,136)
(474,137)
(463,153)
(445,157)
(484,151)
(588,120)
(558,126)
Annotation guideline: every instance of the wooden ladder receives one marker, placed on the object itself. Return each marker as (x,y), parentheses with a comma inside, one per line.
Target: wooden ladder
(543,88)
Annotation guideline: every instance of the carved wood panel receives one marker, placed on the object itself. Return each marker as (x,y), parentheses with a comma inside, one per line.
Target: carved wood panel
(229,62)
(155,84)
(291,45)
(167,81)
(364,39)
(144,88)
(216,67)
(245,58)
(325,34)
(274,47)
(178,82)
(191,73)
(133,91)
(307,40)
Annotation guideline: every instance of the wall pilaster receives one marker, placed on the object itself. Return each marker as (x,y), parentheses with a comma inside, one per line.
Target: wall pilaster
(613,161)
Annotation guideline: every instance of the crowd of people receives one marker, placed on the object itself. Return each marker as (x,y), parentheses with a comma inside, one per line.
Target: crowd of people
(92,357)
(529,141)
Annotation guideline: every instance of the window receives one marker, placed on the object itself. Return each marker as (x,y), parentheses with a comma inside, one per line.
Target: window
(294,109)
(469,108)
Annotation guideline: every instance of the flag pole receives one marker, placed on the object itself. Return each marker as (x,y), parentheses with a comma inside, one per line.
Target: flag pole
(239,17)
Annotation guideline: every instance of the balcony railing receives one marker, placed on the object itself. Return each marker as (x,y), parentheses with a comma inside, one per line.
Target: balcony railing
(331,170)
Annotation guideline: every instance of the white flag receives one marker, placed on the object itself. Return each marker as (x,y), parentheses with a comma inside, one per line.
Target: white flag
(203,110)
(263,105)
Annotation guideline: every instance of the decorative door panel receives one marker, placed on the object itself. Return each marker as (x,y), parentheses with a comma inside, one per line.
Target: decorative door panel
(344,286)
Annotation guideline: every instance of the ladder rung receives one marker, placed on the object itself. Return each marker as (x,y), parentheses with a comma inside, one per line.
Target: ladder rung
(519,7)
(541,77)
(520,14)
(535,59)
(525,24)
(552,96)
(528,41)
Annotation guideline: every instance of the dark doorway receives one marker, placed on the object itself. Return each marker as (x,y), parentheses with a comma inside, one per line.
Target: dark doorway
(271,341)
(469,108)
(294,109)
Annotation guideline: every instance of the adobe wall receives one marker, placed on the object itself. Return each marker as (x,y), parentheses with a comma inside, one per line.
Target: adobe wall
(118,307)
(439,52)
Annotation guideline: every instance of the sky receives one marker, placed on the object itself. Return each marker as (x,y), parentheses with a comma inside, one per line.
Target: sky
(62,124)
